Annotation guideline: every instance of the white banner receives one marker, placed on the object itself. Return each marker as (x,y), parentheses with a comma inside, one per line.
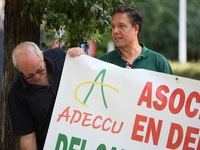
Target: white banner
(101,106)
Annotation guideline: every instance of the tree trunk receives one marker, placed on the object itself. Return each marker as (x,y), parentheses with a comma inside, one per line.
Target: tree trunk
(17,29)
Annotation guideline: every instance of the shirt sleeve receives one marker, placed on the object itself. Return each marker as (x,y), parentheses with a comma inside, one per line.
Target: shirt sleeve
(165,66)
(103,58)
(20,114)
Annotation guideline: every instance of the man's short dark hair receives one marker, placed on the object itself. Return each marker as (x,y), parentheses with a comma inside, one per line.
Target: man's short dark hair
(135,16)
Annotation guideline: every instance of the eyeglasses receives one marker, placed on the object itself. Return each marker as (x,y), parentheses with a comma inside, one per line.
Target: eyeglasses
(38,72)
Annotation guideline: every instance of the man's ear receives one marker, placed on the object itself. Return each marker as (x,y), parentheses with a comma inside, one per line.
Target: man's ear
(137,28)
(42,56)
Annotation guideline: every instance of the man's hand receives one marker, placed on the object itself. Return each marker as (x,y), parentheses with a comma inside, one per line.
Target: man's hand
(127,67)
(28,142)
(76,51)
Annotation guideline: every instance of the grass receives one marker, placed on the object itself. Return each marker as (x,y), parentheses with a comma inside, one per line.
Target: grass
(188,69)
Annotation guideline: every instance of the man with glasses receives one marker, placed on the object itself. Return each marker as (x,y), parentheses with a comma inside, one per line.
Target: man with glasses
(33,92)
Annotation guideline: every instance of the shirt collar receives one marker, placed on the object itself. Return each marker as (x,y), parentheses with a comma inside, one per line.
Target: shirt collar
(118,53)
(23,81)
(144,53)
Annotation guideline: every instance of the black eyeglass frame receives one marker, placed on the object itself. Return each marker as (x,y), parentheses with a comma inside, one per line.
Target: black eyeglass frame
(39,72)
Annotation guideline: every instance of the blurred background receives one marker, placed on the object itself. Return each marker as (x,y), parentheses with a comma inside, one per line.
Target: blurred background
(160,33)
(2,4)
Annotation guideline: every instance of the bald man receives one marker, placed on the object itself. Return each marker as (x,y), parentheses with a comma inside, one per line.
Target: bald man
(32,93)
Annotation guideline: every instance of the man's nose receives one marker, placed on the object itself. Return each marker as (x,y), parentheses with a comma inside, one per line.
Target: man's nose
(36,76)
(115,30)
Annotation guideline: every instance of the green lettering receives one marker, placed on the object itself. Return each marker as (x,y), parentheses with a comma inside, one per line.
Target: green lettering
(74,141)
(103,72)
(61,138)
(101,147)
(83,145)
(114,148)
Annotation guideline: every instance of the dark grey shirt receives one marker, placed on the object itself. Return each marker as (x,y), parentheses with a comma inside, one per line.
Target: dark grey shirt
(31,105)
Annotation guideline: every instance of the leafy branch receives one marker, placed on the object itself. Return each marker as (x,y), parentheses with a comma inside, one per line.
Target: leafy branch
(71,21)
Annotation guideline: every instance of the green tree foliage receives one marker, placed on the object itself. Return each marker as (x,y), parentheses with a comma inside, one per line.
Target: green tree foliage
(193,30)
(72,21)
(161,27)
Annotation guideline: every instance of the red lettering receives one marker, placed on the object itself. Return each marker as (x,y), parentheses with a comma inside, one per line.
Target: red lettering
(86,119)
(146,95)
(155,133)
(93,124)
(103,125)
(161,97)
(138,127)
(189,139)
(175,145)
(176,101)
(193,113)
(198,146)
(112,130)
(63,114)
(79,117)
(176,92)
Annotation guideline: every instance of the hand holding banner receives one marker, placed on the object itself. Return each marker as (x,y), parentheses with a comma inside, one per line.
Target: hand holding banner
(100,106)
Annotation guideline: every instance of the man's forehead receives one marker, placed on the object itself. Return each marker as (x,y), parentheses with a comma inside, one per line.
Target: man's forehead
(30,64)
(24,48)
(28,58)
(120,18)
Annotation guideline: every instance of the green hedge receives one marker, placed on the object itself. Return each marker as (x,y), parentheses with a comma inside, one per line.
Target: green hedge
(188,70)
